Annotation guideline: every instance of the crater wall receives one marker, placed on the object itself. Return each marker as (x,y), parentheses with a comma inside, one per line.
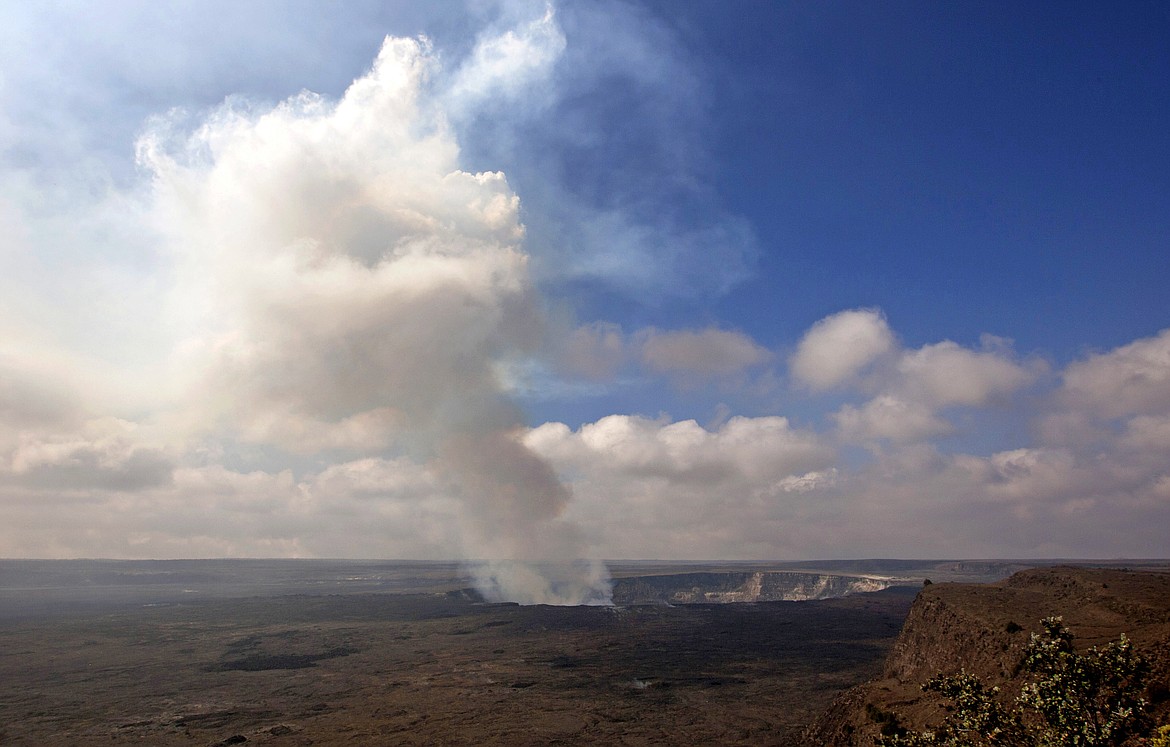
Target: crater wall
(742,586)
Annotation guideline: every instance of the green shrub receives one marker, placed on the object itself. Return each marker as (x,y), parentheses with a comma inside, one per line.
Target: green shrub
(1086,699)
(1159,737)
(1090,699)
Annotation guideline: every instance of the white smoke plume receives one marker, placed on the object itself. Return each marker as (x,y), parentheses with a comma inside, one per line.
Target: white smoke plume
(351,290)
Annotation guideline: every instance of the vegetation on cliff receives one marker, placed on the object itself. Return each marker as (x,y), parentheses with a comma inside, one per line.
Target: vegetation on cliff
(1072,699)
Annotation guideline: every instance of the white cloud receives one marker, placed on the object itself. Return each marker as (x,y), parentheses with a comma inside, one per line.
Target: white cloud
(842,349)
(699,354)
(652,488)
(856,350)
(368,508)
(1031,474)
(594,351)
(808,482)
(839,347)
(887,417)
(1147,433)
(31,397)
(601,352)
(1127,380)
(742,448)
(103,456)
(946,374)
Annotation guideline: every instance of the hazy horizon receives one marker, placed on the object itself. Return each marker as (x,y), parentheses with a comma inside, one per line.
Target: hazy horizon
(616,561)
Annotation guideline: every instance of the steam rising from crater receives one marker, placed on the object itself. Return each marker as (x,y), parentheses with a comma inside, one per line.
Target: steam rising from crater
(350,289)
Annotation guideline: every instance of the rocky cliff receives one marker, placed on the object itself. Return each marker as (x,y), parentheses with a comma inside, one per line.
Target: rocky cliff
(983,629)
(746,586)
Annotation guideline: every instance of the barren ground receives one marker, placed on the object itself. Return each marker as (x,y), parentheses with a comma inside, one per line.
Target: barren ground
(433,668)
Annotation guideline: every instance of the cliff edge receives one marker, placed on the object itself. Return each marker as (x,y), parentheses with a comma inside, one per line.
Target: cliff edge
(984,628)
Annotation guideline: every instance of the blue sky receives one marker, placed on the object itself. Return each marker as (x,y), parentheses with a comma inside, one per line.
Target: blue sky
(994,168)
(517,280)
(975,160)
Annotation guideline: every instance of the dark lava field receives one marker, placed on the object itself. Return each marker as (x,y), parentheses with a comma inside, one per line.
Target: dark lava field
(201,654)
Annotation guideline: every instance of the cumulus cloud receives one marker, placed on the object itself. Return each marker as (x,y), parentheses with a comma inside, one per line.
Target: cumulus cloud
(887,417)
(839,347)
(50,438)
(1091,483)
(1128,380)
(601,351)
(764,448)
(706,353)
(657,484)
(655,488)
(31,397)
(946,374)
(856,350)
(368,508)
(104,458)
(1147,433)
(631,486)
(1034,474)
(594,351)
(1111,411)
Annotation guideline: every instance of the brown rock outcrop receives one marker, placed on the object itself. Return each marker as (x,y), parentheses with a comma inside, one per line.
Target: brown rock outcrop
(984,628)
